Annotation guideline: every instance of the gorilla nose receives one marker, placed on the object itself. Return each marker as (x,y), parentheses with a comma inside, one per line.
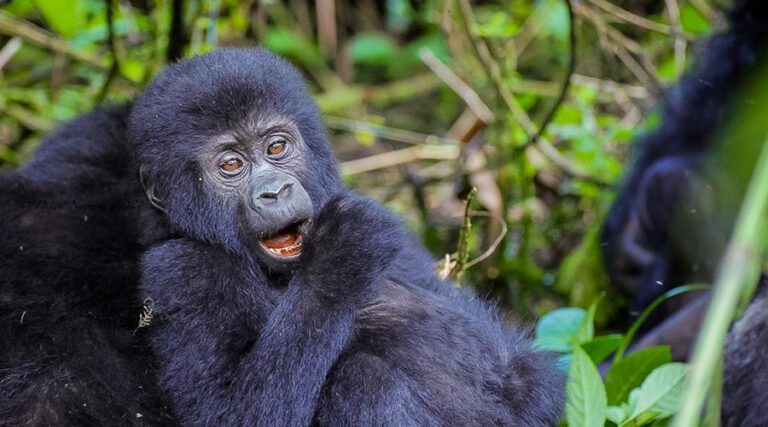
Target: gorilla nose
(273,195)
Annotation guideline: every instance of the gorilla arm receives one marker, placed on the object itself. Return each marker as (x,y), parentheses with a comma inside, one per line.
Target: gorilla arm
(215,370)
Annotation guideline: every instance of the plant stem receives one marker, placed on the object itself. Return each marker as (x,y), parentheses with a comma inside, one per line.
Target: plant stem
(740,268)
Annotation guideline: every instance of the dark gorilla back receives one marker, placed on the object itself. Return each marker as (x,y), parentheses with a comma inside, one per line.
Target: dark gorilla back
(68,275)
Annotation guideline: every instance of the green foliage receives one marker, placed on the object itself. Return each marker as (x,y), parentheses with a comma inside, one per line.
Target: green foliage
(628,373)
(553,203)
(586,404)
(640,389)
(372,49)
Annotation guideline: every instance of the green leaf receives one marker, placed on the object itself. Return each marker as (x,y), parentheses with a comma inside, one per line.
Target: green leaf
(65,17)
(587,327)
(293,45)
(693,21)
(601,347)
(498,25)
(617,414)
(630,372)
(558,329)
(659,396)
(372,49)
(586,406)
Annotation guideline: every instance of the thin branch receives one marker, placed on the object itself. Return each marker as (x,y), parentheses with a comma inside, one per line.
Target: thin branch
(400,157)
(457,85)
(680,44)
(9,50)
(566,81)
(493,70)
(386,132)
(177,38)
(15,27)
(496,242)
(462,251)
(638,92)
(115,68)
(326,25)
(631,18)
(342,98)
(621,46)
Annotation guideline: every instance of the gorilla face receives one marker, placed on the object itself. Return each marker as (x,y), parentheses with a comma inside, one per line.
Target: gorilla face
(231,148)
(256,170)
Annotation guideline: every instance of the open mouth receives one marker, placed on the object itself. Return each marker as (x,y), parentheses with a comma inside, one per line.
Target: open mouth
(286,243)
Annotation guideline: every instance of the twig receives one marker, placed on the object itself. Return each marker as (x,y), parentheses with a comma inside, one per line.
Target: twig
(399,157)
(566,81)
(326,25)
(462,251)
(493,70)
(680,43)
(496,242)
(621,46)
(631,18)
(550,152)
(457,85)
(638,92)
(28,118)
(115,68)
(9,50)
(386,132)
(341,98)
(15,27)
(177,39)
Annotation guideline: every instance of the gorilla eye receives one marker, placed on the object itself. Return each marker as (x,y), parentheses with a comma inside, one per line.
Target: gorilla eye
(276,147)
(231,165)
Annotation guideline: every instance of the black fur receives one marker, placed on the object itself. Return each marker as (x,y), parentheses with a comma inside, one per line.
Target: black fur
(360,332)
(68,285)
(649,250)
(348,337)
(647,235)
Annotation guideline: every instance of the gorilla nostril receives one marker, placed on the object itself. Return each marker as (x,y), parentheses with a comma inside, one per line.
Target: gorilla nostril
(275,195)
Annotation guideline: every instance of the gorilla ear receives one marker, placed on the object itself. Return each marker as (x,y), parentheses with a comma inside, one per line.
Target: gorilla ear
(149,189)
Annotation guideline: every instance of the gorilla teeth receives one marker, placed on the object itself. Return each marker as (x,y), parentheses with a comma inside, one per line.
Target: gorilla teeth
(292,250)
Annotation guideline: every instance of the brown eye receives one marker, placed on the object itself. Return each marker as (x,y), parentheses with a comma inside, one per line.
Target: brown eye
(276,147)
(231,165)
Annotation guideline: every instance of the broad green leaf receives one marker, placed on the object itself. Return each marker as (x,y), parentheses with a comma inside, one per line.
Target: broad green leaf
(630,372)
(601,347)
(659,396)
(558,329)
(586,406)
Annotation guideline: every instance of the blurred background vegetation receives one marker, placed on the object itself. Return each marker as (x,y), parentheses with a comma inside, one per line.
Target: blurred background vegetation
(533,102)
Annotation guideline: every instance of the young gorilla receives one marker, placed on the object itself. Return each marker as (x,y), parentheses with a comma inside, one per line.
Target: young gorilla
(284,299)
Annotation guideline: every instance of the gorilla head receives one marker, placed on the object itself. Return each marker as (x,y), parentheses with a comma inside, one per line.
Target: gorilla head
(232,148)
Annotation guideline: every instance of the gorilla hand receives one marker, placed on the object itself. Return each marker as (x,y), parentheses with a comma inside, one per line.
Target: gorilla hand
(356,236)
